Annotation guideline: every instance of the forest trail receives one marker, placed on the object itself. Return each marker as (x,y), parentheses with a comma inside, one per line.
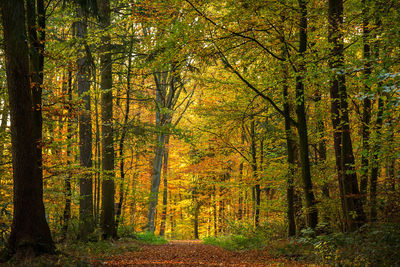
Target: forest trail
(194,253)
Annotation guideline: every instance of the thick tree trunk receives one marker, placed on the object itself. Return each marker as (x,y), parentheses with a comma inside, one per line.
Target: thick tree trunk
(3,124)
(36,33)
(312,212)
(347,177)
(29,231)
(86,222)
(108,187)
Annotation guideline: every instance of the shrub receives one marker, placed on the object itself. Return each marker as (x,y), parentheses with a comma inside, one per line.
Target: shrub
(371,245)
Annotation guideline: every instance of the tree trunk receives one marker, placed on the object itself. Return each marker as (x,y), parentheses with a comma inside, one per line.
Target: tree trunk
(155,182)
(122,139)
(196,220)
(366,117)
(108,187)
(165,189)
(29,231)
(161,89)
(256,189)
(375,161)
(290,158)
(68,188)
(36,21)
(240,210)
(86,222)
(347,177)
(312,212)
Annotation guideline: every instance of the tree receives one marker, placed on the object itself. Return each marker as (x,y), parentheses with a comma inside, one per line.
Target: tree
(312,212)
(108,186)
(86,225)
(347,177)
(30,232)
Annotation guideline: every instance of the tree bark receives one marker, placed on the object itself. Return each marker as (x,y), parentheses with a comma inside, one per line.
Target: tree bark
(29,231)
(256,189)
(155,182)
(108,187)
(290,147)
(165,189)
(36,33)
(312,212)
(123,135)
(67,186)
(347,177)
(86,220)
(366,117)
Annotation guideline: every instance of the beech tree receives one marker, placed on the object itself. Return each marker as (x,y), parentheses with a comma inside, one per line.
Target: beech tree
(108,185)
(30,232)
(347,177)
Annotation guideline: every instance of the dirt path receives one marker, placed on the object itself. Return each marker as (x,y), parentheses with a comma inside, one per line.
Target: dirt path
(194,253)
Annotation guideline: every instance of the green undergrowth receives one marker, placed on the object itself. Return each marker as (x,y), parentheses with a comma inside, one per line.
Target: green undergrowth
(235,242)
(371,245)
(79,253)
(150,238)
(243,236)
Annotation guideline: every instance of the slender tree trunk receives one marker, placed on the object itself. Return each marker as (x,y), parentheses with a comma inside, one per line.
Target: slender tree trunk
(347,177)
(86,224)
(375,161)
(366,117)
(165,189)
(215,213)
(155,182)
(98,159)
(161,84)
(321,155)
(290,146)
(196,220)
(240,211)
(312,212)
(68,188)
(123,134)
(29,231)
(108,187)
(256,189)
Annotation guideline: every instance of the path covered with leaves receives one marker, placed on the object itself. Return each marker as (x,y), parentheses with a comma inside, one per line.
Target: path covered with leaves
(194,253)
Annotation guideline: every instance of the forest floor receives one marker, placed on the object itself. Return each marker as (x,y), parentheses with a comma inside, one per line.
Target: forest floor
(194,253)
(174,253)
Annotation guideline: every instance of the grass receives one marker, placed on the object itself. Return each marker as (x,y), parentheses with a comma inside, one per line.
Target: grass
(236,242)
(150,238)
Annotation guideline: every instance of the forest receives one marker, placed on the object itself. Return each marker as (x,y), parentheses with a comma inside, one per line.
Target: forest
(254,132)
